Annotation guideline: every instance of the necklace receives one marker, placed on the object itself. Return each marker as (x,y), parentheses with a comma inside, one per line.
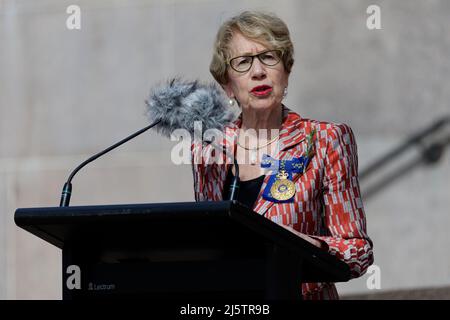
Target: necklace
(253,151)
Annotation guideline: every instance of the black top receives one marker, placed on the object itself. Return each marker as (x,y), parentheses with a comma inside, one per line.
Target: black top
(248,190)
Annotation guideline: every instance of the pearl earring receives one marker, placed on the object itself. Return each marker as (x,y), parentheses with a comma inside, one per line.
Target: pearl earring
(285,92)
(231,102)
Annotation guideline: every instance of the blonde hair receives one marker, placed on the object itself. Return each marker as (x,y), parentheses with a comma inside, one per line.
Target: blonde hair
(264,28)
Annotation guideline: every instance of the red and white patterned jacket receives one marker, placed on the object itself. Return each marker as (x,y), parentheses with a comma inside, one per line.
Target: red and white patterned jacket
(327,203)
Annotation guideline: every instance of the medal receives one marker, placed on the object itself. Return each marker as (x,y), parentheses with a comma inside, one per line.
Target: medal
(280,188)
(283,188)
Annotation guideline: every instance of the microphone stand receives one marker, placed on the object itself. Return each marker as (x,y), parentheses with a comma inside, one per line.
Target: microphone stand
(67,189)
(234,186)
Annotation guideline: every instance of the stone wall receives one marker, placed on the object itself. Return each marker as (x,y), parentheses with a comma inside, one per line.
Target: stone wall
(66,94)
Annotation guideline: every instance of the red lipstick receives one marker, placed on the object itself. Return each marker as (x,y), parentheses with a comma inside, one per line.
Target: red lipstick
(262,90)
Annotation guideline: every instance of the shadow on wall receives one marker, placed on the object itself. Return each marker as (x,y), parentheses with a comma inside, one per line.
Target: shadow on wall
(431,141)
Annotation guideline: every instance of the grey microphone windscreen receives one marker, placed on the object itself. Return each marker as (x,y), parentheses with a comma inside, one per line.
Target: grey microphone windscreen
(180,103)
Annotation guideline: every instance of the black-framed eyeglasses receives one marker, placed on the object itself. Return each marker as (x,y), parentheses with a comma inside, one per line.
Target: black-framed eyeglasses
(244,63)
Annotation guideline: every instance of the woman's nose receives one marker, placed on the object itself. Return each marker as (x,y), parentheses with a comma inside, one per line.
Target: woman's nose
(257,70)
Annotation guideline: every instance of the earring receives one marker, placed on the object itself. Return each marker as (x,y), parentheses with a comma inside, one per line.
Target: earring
(231,102)
(285,92)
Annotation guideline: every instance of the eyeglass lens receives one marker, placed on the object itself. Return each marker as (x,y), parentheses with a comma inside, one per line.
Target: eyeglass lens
(244,63)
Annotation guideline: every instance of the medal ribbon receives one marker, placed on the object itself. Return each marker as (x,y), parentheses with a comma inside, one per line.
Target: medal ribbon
(296,165)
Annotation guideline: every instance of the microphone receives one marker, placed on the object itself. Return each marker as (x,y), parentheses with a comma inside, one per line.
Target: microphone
(174,106)
(67,189)
(179,104)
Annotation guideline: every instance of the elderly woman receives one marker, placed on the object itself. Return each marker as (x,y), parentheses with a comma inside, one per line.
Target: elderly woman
(315,191)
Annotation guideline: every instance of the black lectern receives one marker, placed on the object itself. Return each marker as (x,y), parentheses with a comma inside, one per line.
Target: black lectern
(184,250)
